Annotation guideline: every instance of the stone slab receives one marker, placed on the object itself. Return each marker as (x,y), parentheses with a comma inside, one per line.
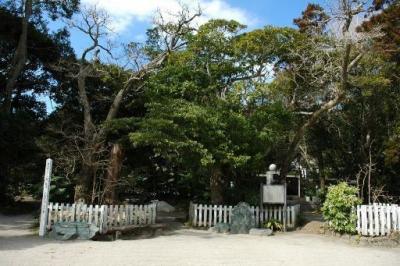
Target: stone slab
(260,232)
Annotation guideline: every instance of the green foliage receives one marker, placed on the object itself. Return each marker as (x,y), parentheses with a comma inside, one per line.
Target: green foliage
(199,121)
(274,225)
(338,208)
(61,189)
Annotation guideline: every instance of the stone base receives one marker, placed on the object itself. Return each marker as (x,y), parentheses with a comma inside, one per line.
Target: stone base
(220,228)
(260,232)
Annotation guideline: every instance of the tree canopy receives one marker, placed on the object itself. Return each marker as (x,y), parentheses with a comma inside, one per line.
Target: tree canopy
(199,112)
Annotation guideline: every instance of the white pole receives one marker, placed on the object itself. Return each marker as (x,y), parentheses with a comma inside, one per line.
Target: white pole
(45,198)
(285,207)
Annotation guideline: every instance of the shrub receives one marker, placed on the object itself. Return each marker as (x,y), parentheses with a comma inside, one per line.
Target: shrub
(338,208)
(274,225)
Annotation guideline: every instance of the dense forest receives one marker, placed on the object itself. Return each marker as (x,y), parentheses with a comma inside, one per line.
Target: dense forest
(199,111)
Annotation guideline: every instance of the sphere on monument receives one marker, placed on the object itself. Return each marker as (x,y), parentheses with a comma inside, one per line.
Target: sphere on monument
(272,167)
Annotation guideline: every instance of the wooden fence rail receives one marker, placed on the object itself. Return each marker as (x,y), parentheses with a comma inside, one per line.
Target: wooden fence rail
(203,215)
(105,217)
(378,219)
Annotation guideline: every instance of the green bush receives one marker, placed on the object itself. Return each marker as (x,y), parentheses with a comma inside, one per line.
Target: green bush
(274,225)
(338,208)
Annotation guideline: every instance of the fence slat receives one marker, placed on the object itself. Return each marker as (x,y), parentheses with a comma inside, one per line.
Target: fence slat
(364,222)
(205,220)
(225,214)
(143,214)
(383,220)
(388,219)
(262,217)
(220,214)
(56,212)
(358,219)
(200,215)
(398,217)
(377,221)
(62,213)
(215,215)
(394,217)
(194,222)
(370,221)
(50,210)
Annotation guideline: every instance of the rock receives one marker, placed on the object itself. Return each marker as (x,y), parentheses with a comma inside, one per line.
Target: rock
(260,232)
(222,228)
(163,206)
(363,241)
(212,230)
(158,232)
(242,219)
(73,230)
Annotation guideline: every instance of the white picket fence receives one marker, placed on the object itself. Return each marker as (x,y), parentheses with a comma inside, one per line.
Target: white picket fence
(105,217)
(378,219)
(202,215)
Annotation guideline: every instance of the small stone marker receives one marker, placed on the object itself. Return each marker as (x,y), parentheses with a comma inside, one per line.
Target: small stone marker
(260,232)
(242,219)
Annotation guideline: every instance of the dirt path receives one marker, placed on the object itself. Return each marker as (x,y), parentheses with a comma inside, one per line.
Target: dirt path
(185,247)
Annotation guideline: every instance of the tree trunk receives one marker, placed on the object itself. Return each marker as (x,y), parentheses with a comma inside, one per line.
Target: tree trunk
(88,125)
(216,186)
(83,183)
(19,59)
(113,173)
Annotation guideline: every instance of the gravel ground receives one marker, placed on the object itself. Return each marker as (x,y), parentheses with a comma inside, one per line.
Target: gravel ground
(18,246)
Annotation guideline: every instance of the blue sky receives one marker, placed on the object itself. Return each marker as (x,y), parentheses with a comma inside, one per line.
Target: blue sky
(131,18)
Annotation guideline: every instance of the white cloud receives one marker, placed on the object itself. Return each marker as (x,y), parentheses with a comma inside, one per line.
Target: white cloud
(125,12)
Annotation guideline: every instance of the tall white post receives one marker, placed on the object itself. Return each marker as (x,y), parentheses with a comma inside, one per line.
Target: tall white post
(45,198)
(285,206)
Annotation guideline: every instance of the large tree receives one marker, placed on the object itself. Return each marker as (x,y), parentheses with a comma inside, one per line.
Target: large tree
(203,117)
(94,24)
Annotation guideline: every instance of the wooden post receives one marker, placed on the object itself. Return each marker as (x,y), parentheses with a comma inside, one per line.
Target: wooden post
(45,198)
(284,206)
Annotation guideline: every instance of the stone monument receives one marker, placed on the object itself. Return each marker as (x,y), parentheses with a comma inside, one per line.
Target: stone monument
(242,219)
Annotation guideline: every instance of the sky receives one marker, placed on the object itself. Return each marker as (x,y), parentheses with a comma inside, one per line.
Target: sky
(131,18)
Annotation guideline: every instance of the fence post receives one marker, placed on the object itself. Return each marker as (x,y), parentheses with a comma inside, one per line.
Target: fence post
(45,198)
